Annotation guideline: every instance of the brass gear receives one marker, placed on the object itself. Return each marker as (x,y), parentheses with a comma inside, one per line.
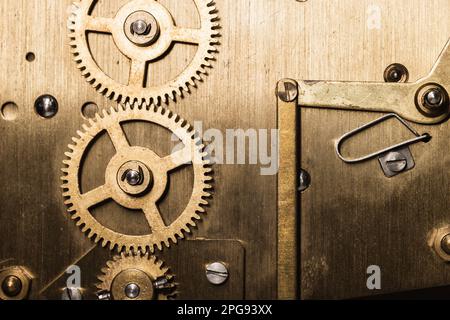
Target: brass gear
(152,280)
(161,234)
(81,21)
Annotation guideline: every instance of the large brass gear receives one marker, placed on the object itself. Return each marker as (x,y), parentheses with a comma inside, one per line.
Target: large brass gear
(155,171)
(136,277)
(166,32)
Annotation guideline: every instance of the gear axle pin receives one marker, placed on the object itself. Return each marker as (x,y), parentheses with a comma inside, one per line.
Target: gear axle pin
(140,27)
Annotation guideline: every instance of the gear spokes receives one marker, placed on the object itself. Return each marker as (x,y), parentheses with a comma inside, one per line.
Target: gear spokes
(144,31)
(136,178)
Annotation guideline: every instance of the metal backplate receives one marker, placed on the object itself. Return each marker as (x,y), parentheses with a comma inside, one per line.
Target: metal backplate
(352,216)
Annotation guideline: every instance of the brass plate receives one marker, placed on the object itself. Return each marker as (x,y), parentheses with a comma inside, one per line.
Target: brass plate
(351,216)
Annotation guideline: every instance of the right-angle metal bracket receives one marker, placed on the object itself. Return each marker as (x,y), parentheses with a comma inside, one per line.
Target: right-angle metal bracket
(425,101)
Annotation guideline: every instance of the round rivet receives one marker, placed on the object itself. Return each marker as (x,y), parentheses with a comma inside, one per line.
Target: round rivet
(132,291)
(140,27)
(12,286)
(434,98)
(396,72)
(46,106)
(133,177)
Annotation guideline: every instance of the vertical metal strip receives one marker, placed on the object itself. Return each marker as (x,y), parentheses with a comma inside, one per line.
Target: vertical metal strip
(287,105)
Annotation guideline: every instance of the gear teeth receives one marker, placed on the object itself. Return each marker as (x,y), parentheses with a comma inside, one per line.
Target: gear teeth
(194,72)
(126,112)
(146,263)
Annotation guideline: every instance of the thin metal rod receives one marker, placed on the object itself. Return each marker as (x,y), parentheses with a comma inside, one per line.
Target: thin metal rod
(419,138)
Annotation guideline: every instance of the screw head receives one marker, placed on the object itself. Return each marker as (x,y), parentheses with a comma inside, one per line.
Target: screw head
(46,106)
(396,162)
(132,291)
(12,286)
(287,90)
(140,27)
(217,273)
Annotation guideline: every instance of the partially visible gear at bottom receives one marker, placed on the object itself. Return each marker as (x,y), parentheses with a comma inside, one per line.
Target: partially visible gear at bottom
(136,277)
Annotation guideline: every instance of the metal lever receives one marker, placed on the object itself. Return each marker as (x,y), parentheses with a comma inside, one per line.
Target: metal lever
(419,138)
(409,100)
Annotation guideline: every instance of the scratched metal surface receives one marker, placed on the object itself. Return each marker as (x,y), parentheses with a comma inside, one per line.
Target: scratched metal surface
(352,216)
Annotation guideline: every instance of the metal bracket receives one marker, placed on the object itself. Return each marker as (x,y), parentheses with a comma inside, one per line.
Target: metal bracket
(409,100)
(288,112)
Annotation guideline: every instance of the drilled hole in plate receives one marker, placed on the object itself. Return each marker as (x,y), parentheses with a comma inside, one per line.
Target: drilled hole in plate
(30,56)
(89,110)
(9,111)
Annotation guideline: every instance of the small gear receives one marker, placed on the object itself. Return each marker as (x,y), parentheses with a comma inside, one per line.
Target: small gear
(136,178)
(136,277)
(144,31)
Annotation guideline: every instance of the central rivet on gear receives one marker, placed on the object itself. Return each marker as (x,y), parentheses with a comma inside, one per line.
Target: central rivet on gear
(132,290)
(141,28)
(134,178)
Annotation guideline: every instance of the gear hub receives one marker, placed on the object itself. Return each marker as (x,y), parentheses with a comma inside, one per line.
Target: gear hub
(137,277)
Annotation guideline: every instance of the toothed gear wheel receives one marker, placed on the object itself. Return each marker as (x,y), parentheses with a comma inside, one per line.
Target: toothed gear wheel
(137,277)
(144,193)
(143,46)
